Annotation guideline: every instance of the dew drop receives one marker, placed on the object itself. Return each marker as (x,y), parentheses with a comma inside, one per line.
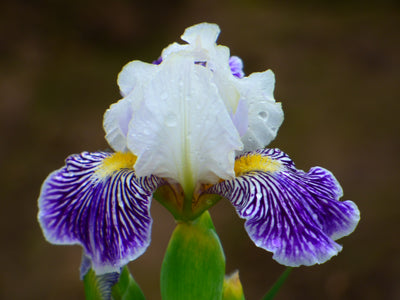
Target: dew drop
(145,131)
(171,120)
(164,96)
(263,114)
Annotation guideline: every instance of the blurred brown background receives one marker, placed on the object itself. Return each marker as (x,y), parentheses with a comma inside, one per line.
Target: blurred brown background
(337,70)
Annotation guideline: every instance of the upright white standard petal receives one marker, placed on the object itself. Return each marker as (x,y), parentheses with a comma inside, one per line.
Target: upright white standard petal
(201,39)
(119,115)
(133,74)
(191,109)
(265,116)
(205,32)
(254,93)
(183,131)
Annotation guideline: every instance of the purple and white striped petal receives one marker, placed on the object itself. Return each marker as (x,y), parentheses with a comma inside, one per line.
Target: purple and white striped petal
(294,214)
(107,211)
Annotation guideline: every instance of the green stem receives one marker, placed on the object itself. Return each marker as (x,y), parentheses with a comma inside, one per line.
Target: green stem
(277,285)
(187,202)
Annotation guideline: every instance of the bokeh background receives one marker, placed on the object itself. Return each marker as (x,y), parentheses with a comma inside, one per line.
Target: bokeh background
(337,74)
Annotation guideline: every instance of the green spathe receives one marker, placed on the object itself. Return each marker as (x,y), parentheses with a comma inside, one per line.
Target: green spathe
(102,287)
(127,288)
(92,286)
(194,264)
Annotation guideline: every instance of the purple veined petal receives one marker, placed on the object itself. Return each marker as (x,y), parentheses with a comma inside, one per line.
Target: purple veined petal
(108,213)
(291,213)
(236,65)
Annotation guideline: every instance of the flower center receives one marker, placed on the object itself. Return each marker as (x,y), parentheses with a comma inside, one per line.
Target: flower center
(115,162)
(256,162)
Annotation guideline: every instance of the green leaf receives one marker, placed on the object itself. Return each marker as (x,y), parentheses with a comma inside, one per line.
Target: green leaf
(194,264)
(277,285)
(99,287)
(127,288)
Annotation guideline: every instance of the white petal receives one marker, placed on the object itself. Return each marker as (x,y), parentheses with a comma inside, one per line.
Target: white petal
(210,106)
(223,77)
(256,91)
(201,38)
(183,130)
(203,48)
(173,48)
(265,115)
(116,119)
(204,33)
(240,118)
(133,74)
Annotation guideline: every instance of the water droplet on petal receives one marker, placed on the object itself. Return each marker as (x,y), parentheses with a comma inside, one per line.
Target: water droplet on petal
(263,114)
(146,131)
(171,120)
(164,96)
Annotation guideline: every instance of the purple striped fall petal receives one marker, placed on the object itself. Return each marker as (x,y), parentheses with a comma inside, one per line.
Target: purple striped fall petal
(96,201)
(295,215)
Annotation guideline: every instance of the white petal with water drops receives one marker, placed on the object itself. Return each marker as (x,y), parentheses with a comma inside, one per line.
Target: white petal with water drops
(183,130)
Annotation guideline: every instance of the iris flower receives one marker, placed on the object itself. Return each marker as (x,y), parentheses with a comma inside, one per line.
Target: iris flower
(190,130)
